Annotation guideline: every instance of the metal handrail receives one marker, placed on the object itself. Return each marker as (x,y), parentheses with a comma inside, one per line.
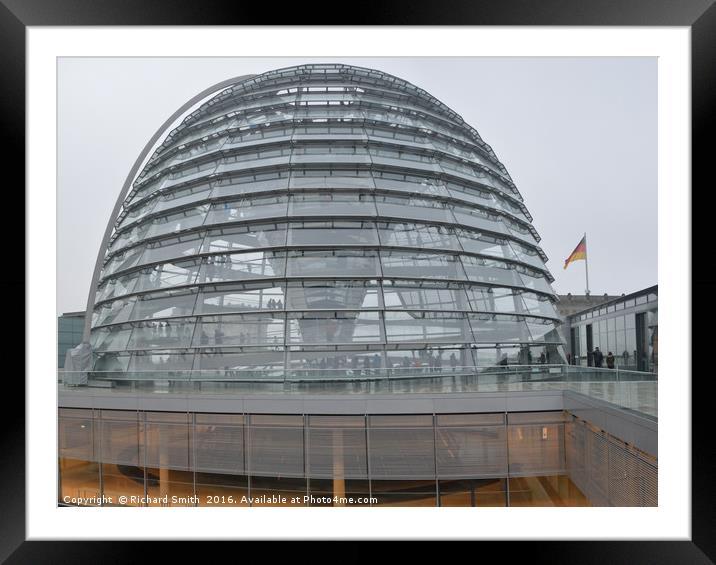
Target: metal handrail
(515,373)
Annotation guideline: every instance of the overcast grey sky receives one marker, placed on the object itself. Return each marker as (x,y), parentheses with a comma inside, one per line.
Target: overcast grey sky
(578,136)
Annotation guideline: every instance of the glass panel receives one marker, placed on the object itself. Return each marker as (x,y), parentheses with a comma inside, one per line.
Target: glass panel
(125,260)
(166,445)
(147,187)
(327,178)
(137,213)
(344,262)
(498,328)
(540,305)
(127,482)
(480,219)
(183,196)
(344,152)
(631,345)
(114,338)
(495,299)
(219,445)
(257,296)
(186,219)
(247,209)
(426,327)
(407,295)
(490,271)
(242,266)
(249,363)
(79,479)
(240,329)
(114,312)
(510,207)
(161,334)
(620,323)
(630,320)
(244,237)
(170,487)
(176,247)
(475,451)
(129,237)
(194,150)
(421,265)
(543,330)
(164,305)
(545,490)
(265,132)
(274,450)
(536,449)
(427,209)
(110,362)
(251,184)
(256,156)
(329,295)
(167,275)
(336,233)
(314,364)
(472,195)
(399,156)
(401,447)
(417,235)
(535,281)
(519,230)
(334,327)
(332,204)
(188,173)
(410,183)
(484,244)
(205,129)
(527,255)
(161,361)
(337,452)
(406,362)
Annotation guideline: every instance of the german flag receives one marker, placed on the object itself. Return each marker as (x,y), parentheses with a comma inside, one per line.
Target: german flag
(580,252)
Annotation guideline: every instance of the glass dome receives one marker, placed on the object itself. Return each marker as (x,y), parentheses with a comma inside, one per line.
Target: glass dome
(322,221)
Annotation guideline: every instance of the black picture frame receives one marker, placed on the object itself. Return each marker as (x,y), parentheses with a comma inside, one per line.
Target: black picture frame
(699,15)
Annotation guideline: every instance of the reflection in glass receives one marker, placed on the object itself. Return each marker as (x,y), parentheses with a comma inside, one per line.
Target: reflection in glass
(421,265)
(240,298)
(334,327)
(427,327)
(331,295)
(240,329)
(342,262)
(417,235)
(242,238)
(335,232)
(242,266)
(418,295)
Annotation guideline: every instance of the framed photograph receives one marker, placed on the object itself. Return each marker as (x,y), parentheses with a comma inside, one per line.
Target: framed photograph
(405,274)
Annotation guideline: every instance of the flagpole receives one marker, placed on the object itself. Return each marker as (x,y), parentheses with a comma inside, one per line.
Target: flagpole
(586,262)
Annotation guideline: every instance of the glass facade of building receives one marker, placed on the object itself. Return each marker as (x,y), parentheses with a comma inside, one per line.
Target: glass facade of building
(628,327)
(69,334)
(323,218)
(203,459)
